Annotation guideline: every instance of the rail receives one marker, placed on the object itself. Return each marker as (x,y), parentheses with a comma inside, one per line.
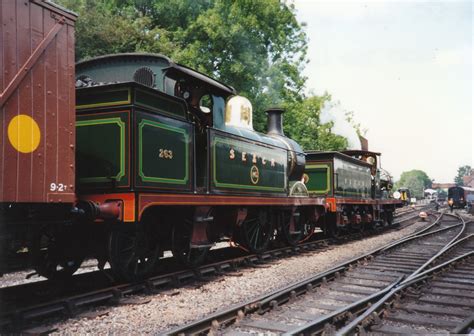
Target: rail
(236,313)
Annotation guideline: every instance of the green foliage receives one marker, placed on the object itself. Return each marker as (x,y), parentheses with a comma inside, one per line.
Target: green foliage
(303,124)
(258,47)
(103,27)
(415,180)
(462,171)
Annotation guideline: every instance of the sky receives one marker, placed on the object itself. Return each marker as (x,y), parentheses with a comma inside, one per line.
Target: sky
(405,69)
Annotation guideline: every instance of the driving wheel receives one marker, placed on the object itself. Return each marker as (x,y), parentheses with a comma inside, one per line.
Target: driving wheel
(256,231)
(133,253)
(53,257)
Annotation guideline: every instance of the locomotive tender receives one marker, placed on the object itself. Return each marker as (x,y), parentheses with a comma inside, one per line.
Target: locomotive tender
(123,157)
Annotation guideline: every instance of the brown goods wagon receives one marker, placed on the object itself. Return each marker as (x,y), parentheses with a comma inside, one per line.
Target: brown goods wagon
(37,102)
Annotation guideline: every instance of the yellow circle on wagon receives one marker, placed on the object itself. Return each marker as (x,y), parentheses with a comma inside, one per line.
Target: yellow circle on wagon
(24,133)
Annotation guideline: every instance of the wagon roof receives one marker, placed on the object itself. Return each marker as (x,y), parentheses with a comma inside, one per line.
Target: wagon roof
(56,8)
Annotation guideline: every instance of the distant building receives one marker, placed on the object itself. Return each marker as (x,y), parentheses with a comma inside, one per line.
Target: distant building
(468,180)
(442,186)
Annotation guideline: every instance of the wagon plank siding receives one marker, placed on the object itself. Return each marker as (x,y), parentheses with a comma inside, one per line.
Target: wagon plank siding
(2,112)
(51,131)
(24,178)
(71,58)
(43,97)
(39,79)
(62,117)
(10,109)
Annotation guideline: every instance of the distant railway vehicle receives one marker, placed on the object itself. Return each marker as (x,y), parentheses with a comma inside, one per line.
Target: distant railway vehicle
(441,198)
(123,157)
(458,197)
(405,195)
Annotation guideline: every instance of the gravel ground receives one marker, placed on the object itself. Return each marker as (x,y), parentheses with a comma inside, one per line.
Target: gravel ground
(163,311)
(90,265)
(19,278)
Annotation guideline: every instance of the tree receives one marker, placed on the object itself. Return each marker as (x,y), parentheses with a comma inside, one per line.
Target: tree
(415,180)
(258,47)
(415,185)
(302,123)
(462,171)
(105,27)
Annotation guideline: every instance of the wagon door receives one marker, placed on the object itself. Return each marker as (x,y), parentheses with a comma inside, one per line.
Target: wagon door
(37,134)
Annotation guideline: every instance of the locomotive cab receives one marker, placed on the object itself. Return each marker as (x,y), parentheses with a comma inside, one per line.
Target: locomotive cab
(205,97)
(205,100)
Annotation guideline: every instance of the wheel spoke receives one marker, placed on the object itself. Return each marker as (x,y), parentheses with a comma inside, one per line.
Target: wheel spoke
(50,257)
(135,267)
(133,255)
(255,233)
(256,237)
(126,251)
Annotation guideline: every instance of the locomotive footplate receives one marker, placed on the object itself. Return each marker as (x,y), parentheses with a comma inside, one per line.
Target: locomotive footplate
(148,200)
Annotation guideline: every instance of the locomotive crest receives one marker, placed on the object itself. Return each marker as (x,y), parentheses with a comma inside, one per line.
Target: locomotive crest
(254,174)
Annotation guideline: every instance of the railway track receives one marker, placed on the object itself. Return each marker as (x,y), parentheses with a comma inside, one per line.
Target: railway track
(325,302)
(27,305)
(409,209)
(438,300)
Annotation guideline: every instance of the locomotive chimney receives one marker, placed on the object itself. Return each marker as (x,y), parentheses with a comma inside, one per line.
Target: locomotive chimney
(275,121)
(364,143)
